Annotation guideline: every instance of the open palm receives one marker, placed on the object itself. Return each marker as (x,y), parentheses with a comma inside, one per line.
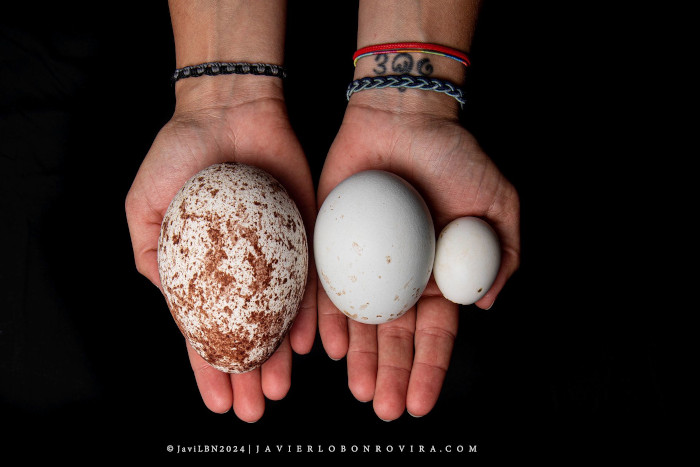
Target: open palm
(401,365)
(255,133)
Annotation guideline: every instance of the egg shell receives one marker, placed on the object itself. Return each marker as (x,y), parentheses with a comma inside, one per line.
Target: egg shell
(467,260)
(374,245)
(233,260)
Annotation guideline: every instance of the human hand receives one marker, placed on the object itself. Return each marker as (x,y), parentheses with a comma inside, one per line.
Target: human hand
(401,365)
(210,125)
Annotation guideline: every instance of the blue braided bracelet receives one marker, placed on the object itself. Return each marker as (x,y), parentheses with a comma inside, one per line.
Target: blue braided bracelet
(406,81)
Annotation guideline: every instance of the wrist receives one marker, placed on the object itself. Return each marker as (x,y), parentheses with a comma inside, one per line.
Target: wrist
(410,101)
(227,31)
(450,24)
(225,91)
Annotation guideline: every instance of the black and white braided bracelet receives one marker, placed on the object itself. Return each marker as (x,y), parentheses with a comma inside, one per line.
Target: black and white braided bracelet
(406,81)
(229,68)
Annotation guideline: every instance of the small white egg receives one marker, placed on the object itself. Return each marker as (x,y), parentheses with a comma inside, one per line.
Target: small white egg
(467,260)
(374,245)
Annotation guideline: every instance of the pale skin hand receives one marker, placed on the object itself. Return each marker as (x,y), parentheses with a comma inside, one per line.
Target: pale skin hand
(209,127)
(401,365)
(255,133)
(238,118)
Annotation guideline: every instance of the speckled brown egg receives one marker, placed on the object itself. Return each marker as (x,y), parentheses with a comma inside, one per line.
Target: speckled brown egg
(233,260)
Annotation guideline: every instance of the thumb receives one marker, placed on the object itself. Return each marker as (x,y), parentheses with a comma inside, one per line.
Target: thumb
(144,230)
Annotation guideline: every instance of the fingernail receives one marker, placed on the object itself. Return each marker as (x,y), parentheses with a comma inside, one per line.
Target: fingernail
(414,416)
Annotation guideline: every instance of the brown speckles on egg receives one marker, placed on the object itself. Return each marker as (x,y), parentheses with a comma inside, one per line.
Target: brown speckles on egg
(358,249)
(350,315)
(233,262)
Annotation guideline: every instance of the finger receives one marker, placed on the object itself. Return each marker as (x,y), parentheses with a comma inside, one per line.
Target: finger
(248,398)
(214,386)
(303,330)
(147,264)
(144,230)
(436,328)
(332,326)
(362,360)
(395,357)
(277,372)
(509,264)
(506,223)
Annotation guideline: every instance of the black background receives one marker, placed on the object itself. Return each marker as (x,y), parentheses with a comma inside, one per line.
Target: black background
(569,362)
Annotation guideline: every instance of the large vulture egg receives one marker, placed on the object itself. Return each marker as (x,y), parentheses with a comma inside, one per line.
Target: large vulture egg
(233,260)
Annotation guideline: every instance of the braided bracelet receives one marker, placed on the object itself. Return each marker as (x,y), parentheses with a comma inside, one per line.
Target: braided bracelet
(228,68)
(406,81)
